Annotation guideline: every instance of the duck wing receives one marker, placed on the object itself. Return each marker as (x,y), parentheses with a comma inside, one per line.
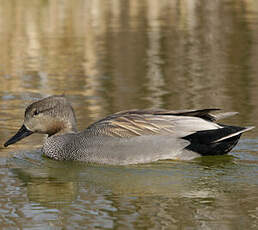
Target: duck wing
(178,123)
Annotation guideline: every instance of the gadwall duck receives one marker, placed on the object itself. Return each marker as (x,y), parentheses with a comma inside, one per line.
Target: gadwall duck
(128,137)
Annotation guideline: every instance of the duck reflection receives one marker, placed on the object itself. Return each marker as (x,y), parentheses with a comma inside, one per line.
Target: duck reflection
(48,181)
(154,194)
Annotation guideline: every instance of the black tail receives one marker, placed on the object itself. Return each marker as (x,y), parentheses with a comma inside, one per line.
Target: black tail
(216,141)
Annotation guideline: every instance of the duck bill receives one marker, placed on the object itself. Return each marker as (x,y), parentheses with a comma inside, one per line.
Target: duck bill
(22,133)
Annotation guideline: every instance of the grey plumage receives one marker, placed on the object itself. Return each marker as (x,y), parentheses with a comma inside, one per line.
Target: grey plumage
(129,137)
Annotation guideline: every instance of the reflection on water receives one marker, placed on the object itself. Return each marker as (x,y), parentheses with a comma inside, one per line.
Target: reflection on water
(114,55)
(148,53)
(167,194)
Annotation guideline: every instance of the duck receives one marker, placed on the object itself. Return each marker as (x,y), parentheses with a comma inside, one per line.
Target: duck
(128,137)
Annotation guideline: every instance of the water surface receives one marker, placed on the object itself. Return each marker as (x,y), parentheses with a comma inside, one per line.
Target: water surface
(114,55)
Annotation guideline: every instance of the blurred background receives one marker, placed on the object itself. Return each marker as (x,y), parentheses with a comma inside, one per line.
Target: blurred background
(117,54)
(113,55)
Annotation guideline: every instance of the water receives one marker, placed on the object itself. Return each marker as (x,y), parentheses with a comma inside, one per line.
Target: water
(108,56)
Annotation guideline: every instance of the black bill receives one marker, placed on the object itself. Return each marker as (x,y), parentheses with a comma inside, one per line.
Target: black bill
(23,132)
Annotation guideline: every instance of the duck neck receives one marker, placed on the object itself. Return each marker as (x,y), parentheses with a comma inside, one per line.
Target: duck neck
(62,128)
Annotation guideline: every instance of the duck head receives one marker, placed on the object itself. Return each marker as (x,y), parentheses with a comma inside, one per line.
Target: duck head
(53,115)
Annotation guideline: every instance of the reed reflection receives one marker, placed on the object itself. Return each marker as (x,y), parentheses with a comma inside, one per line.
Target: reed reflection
(147,52)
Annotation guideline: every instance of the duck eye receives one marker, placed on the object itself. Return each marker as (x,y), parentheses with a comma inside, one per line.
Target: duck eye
(35,112)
